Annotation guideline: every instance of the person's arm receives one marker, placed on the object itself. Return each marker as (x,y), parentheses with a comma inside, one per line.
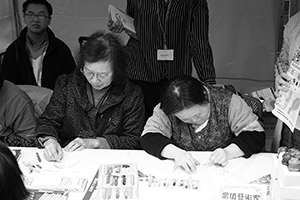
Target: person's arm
(282,62)
(250,135)
(156,140)
(154,143)
(67,60)
(50,122)
(157,133)
(22,122)
(9,67)
(181,158)
(201,51)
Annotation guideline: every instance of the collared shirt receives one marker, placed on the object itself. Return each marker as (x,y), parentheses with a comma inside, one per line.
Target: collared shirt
(37,54)
(185,25)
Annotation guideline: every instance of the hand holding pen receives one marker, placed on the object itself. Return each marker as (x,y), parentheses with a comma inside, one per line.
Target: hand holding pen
(219,157)
(53,151)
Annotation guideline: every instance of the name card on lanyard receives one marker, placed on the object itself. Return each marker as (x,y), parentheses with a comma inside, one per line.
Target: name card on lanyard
(165,53)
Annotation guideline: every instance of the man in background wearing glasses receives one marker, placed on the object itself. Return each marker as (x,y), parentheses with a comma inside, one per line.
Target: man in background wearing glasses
(37,57)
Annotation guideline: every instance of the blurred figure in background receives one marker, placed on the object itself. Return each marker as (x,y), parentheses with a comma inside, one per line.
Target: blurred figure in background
(37,57)
(290,51)
(171,38)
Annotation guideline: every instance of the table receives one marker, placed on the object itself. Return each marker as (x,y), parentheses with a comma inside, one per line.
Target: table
(241,171)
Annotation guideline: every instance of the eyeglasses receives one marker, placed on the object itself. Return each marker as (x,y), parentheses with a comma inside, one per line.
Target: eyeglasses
(90,75)
(39,16)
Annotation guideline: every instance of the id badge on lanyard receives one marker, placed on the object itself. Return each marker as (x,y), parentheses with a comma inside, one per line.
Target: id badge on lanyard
(165,54)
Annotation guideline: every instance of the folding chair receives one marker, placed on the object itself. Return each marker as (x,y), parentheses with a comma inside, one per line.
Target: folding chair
(251,101)
(81,40)
(254,103)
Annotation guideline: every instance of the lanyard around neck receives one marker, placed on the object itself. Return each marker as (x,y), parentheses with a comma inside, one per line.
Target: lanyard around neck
(162,26)
(103,99)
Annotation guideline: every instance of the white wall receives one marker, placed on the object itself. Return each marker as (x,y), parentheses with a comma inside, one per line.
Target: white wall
(243,37)
(6,24)
(242,34)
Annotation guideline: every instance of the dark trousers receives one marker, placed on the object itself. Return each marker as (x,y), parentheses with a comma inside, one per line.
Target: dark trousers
(151,93)
(290,139)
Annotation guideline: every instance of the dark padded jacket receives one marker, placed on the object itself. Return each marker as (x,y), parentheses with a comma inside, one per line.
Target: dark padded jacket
(17,68)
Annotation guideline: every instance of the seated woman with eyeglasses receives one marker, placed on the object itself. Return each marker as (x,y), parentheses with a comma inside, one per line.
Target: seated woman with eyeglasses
(95,106)
(193,116)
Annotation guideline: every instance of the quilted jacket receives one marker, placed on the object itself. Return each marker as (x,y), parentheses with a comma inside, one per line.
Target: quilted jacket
(70,114)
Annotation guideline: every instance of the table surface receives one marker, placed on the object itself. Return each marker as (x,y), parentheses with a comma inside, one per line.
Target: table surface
(239,170)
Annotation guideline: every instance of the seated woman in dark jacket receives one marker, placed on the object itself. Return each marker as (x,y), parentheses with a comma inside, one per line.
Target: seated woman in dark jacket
(192,116)
(95,106)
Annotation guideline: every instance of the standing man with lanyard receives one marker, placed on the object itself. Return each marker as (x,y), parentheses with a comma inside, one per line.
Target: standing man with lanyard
(37,57)
(172,36)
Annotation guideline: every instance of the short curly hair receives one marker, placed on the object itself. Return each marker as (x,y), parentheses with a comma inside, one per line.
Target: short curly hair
(101,46)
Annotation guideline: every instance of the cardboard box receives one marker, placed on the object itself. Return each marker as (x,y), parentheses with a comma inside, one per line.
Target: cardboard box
(278,190)
(286,177)
(281,192)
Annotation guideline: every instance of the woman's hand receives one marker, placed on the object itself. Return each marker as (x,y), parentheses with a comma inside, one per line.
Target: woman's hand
(115,27)
(187,162)
(282,85)
(79,144)
(52,150)
(219,156)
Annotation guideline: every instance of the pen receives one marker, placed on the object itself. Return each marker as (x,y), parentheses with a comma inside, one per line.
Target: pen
(27,167)
(33,167)
(38,156)
(39,166)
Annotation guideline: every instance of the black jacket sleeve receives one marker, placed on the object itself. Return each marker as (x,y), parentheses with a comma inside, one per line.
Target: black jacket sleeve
(154,143)
(250,142)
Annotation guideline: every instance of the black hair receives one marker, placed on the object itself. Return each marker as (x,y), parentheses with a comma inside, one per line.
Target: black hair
(42,2)
(11,183)
(101,46)
(181,93)
(1,80)
(1,76)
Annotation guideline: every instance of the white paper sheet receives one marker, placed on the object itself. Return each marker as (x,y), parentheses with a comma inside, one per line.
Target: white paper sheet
(214,172)
(71,162)
(252,173)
